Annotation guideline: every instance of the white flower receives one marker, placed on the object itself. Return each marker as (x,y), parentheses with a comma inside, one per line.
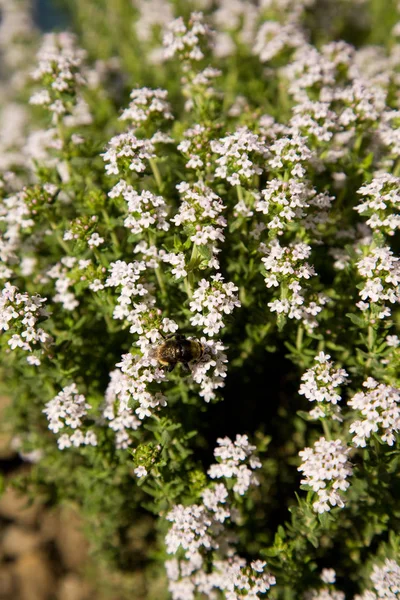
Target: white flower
(95,240)
(197,532)
(140,471)
(379,408)
(273,37)
(177,261)
(236,461)
(146,106)
(381,203)
(392,341)
(189,529)
(328,575)
(286,265)
(211,301)
(186,41)
(324,594)
(287,201)
(20,313)
(127,152)
(33,360)
(240,155)
(59,272)
(127,399)
(380,270)
(68,409)
(145,209)
(321,381)
(201,208)
(61,71)
(386,582)
(215,500)
(326,468)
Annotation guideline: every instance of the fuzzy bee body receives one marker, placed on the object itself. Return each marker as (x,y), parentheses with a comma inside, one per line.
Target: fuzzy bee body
(178,349)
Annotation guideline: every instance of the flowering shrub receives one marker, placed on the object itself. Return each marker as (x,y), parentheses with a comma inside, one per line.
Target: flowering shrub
(199,222)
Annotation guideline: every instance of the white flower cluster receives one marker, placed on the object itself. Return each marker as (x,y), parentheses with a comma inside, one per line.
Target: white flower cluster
(152,15)
(200,84)
(61,63)
(324,594)
(59,272)
(147,106)
(127,152)
(201,209)
(379,408)
(116,409)
(335,101)
(389,132)
(190,529)
(291,154)
(381,203)
(68,409)
(17,217)
(178,261)
(211,301)
(210,371)
(209,562)
(328,576)
(287,201)
(132,390)
(126,276)
(188,42)
(145,209)
(325,468)
(136,304)
(240,155)
(233,577)
(285,265)
(381,270)
(313,72)
(320,384)
(236,461)
(194,145)
(21,313)
(274,37)
(237,17)
(314,119)
(145,320)
(386,582)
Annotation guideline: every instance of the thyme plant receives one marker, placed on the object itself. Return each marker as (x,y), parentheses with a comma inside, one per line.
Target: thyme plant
(225,173)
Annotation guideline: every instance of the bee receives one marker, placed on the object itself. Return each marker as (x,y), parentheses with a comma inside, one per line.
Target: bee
(178,349)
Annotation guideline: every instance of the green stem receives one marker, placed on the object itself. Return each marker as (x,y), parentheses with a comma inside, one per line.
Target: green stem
(59,239)
(157,270)
(326,429)
(239,191)
(114,238)
(190,279)
(188,287)
(370,342)
(160,281)
(61,134)
(157,175)
(299,337)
